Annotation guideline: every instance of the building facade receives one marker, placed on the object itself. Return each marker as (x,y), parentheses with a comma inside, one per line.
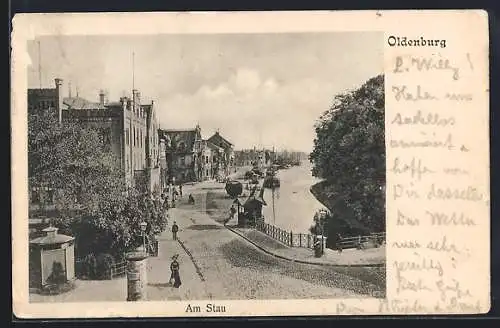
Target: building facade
(245,157)
(226,159)
(127,126)
(182,148)
(208,160)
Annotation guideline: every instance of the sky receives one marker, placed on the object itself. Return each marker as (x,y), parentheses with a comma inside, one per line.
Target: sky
(260,90)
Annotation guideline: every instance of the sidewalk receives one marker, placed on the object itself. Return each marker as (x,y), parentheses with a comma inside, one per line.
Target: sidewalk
(349,257)
(159,273)
(158,276)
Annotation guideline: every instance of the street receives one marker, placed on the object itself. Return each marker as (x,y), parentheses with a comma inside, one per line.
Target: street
(216,263)
(234,269)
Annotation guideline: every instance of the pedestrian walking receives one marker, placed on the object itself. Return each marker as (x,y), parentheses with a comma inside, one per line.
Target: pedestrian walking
(232,212)
(175,229)
(175,278)
(180,190)
(338,243)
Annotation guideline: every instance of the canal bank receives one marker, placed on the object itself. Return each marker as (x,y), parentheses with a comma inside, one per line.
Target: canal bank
(294,204)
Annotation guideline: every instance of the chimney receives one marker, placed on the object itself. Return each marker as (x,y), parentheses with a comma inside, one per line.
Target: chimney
(136,95)
(101,97)
(59,96)
(50,231)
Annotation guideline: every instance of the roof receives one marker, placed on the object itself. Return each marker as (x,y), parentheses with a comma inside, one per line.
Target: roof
(213,146)
(81,103)
(114,104)
(180,140)
(52,237)
(218,139)
(43,92)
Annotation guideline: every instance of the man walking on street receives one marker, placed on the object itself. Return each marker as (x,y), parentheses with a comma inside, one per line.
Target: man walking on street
(232,212)
(175,228)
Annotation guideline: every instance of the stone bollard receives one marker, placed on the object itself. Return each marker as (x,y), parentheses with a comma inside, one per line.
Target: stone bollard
(136,276)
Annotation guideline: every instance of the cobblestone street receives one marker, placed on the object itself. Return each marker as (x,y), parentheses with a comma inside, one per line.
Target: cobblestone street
(235,269)
(216,263)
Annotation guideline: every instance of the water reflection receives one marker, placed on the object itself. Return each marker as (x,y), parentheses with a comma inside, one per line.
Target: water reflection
(294,205)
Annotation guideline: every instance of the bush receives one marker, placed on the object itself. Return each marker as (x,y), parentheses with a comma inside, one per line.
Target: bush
(89,267)
(234,188)
(104,264)
(96,267)
(115,229)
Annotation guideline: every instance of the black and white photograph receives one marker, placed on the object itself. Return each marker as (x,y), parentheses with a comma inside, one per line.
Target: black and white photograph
(169,167)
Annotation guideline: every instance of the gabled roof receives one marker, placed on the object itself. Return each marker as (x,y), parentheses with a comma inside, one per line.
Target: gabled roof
(213,146)
(180,140)
(218,139)
(114,104)
(81,103)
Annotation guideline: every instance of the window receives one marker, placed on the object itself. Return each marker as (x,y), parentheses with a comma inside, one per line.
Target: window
(206,173)
(126,136)
(134,136)
(206,159)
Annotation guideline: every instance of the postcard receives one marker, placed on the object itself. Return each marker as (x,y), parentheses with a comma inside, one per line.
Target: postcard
(212,164)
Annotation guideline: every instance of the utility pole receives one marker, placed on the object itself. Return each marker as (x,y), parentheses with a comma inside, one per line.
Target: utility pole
(133,70)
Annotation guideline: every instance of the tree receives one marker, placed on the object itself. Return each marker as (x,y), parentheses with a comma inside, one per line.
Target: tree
(115,228)
(72,160)
(320,224)
(234,188)
(89,187)
(349,153)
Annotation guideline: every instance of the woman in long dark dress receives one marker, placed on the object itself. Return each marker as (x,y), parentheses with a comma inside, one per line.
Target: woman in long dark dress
(174,268)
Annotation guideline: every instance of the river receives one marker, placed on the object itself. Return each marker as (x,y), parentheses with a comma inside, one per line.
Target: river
(294,204)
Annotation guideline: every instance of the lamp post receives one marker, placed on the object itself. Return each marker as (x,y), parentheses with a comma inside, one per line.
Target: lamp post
(323,218)
(238,204)
(143,226)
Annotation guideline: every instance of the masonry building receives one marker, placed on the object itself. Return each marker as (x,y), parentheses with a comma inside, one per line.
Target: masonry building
(182,150)
(226,160)
(127,126)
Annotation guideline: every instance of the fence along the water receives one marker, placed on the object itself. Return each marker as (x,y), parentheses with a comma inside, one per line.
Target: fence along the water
(307,240)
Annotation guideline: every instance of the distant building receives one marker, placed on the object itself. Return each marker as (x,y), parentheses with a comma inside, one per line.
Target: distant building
(127,126)
(226,160)
(209,160)
(182,148)
(258,158)
(245,157)
(48,98)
